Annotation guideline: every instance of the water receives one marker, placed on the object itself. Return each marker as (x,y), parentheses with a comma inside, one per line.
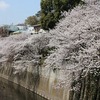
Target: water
(11,91)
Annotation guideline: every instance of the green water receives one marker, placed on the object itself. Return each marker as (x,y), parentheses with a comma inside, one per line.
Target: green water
(11,91)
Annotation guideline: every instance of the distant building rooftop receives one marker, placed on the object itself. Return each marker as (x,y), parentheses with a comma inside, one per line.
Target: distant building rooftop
(37,25)
(21,25)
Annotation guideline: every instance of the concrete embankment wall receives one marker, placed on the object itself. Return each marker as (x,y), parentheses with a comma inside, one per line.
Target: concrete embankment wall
(85,88)
(42,85)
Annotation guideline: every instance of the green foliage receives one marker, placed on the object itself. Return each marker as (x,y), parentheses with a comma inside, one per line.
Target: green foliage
(38,14)
(31,20)
(48,21)
(51,11)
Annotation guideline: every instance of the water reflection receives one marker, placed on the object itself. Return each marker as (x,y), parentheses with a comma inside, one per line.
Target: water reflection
(10,91)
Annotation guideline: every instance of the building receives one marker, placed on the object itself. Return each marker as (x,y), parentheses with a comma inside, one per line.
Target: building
(12,28)
(22,26)
(37,28)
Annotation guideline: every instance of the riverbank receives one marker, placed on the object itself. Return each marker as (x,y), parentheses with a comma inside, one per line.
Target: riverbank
(86,87)
(63,64)
(43,86)
(12,91)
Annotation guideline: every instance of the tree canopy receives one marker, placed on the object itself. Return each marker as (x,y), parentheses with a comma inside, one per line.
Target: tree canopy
(51,11)
(31,20)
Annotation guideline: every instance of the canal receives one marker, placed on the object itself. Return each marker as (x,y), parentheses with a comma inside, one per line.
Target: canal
(11,91)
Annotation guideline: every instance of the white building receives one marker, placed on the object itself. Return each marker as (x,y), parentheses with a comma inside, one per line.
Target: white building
(22,26)
(30,28)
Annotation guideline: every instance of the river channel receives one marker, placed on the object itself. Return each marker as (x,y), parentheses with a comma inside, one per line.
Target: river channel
(11,91)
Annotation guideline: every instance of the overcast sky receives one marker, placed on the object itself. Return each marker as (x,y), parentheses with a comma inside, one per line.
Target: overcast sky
(16,11)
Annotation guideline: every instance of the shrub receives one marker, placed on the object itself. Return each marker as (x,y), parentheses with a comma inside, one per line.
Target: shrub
(3,32)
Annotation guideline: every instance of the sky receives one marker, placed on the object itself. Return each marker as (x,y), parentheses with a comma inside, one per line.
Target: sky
(16,11)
